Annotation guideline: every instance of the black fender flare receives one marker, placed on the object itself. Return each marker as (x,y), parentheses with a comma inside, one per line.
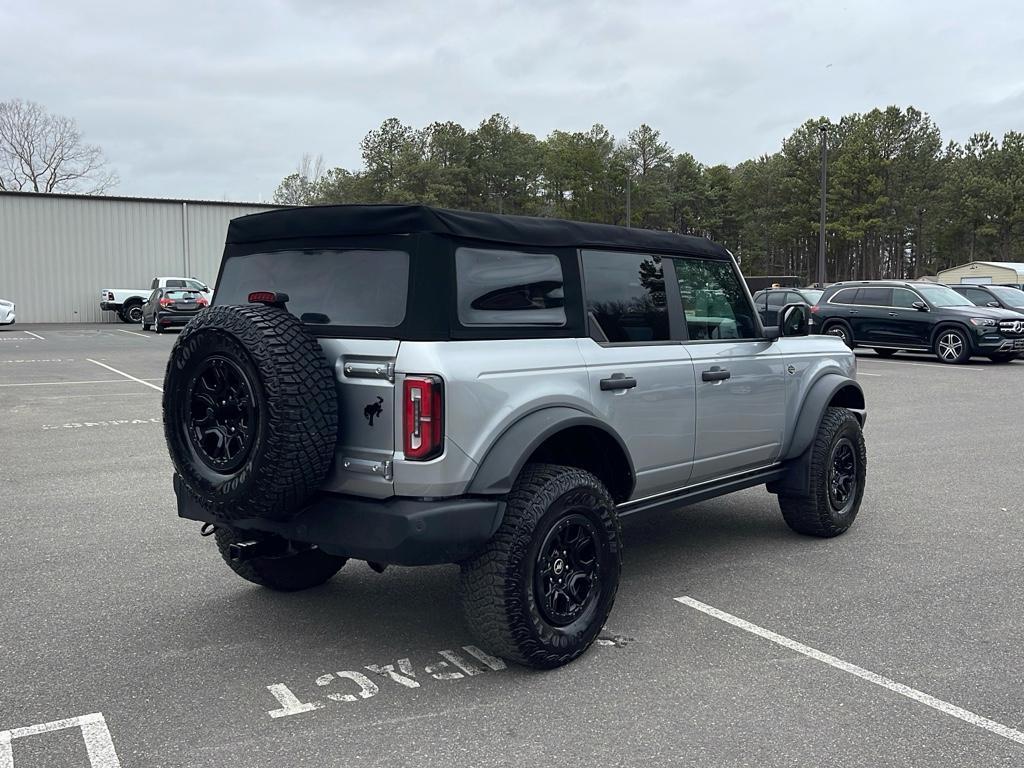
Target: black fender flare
(508,454)
(796,453)
(812,410)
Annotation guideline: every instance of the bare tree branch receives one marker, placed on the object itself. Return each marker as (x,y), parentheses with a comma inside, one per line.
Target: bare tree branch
(41,152)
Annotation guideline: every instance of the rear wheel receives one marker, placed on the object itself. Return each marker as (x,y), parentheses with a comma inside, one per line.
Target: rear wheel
(542,588)
(290,571)
(952,346)
(131,314)
(838,468)
(882,352)
(841,331)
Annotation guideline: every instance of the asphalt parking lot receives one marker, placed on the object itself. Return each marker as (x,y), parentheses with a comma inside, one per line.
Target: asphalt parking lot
(126,640)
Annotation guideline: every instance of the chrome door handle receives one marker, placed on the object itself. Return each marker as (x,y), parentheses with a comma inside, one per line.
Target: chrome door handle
(617,381)
(715,374)
(893,314)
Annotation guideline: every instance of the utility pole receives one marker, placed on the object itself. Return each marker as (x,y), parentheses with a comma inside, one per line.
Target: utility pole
(629,200)
(824,183)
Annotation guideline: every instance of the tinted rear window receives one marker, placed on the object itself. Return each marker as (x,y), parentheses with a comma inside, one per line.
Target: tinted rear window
(179,294)
(324,287)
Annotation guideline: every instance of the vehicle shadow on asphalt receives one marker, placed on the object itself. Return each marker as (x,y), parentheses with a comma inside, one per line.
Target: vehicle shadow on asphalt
(665,554)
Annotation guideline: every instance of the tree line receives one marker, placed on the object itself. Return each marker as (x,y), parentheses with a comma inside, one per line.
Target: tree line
(901,203)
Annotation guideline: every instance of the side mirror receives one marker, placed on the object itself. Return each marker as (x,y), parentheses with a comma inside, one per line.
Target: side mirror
(993,304)
(795,319)
(920,306)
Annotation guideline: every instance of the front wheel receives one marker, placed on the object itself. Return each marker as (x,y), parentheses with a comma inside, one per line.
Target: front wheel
(542,588)
(836,484)
(289,572)
(952,346)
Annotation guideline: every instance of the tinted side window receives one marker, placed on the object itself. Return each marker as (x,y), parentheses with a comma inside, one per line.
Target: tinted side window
(845,296)
(713,300)
(877,297)
(625,293)
(792,297)
(976,295)
(903,298)
(509,287)
(175,284)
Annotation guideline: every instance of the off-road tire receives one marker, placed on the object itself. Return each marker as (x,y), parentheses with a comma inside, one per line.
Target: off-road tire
(285,573)
(292,403)
(498,592)
(1003,357)
(883,352)
(815,513)
(131,313)
(964,345)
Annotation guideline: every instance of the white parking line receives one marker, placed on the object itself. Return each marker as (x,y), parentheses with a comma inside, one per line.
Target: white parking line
(133,333)
(62,383)
(99,746)
(904,690)
(865,373)
(943,366)
(34,335)
(126,375)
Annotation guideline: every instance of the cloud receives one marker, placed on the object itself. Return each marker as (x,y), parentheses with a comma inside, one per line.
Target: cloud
(199,99)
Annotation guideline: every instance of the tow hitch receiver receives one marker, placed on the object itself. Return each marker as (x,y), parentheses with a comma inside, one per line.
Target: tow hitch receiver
(241,551)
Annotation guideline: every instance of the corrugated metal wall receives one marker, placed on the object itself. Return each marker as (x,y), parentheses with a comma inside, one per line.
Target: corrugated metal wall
(57,252)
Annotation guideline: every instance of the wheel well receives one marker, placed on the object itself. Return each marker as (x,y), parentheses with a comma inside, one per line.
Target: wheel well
(834,321)
(968,336)
(132,302)
(591,449)
(848,397)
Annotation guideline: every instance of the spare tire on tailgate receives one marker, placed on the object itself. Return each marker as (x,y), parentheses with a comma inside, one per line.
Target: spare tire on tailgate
(250,412)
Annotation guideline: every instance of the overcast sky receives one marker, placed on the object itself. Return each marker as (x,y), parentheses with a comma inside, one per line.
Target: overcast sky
(219,99)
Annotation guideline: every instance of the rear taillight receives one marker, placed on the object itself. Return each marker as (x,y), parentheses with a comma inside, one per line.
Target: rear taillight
(814,309)
(423,424)
(201,302)
(166,302)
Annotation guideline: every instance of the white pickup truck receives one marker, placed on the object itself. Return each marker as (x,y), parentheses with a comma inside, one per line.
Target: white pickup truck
(127,302)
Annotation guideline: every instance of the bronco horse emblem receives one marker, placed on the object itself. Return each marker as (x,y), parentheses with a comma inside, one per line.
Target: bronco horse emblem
(373,409)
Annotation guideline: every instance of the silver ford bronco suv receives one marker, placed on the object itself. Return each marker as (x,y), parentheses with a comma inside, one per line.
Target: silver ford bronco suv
(406,385)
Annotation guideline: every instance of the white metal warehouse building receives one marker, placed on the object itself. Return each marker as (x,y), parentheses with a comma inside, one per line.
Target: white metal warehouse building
(58,251)
(984,273)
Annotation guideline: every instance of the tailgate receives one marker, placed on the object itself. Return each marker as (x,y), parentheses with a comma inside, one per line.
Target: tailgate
(364,375)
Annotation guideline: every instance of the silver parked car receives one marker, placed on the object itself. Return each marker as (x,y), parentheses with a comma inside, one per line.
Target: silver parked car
(406,385)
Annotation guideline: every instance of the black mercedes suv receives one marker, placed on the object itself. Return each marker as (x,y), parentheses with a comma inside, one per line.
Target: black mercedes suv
(893,315)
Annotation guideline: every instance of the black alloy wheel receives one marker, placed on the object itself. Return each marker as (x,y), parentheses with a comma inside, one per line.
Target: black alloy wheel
(133,314)
(567,570)
(842,476)
(221,414)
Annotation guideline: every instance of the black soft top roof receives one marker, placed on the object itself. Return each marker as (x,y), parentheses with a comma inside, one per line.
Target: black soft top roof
(344,220)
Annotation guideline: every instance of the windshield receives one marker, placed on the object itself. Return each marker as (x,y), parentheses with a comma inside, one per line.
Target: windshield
(811,296)
(941,296)
(1011,297)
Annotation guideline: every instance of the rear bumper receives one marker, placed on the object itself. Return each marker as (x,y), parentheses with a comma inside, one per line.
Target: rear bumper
(168,319)
(396,531)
